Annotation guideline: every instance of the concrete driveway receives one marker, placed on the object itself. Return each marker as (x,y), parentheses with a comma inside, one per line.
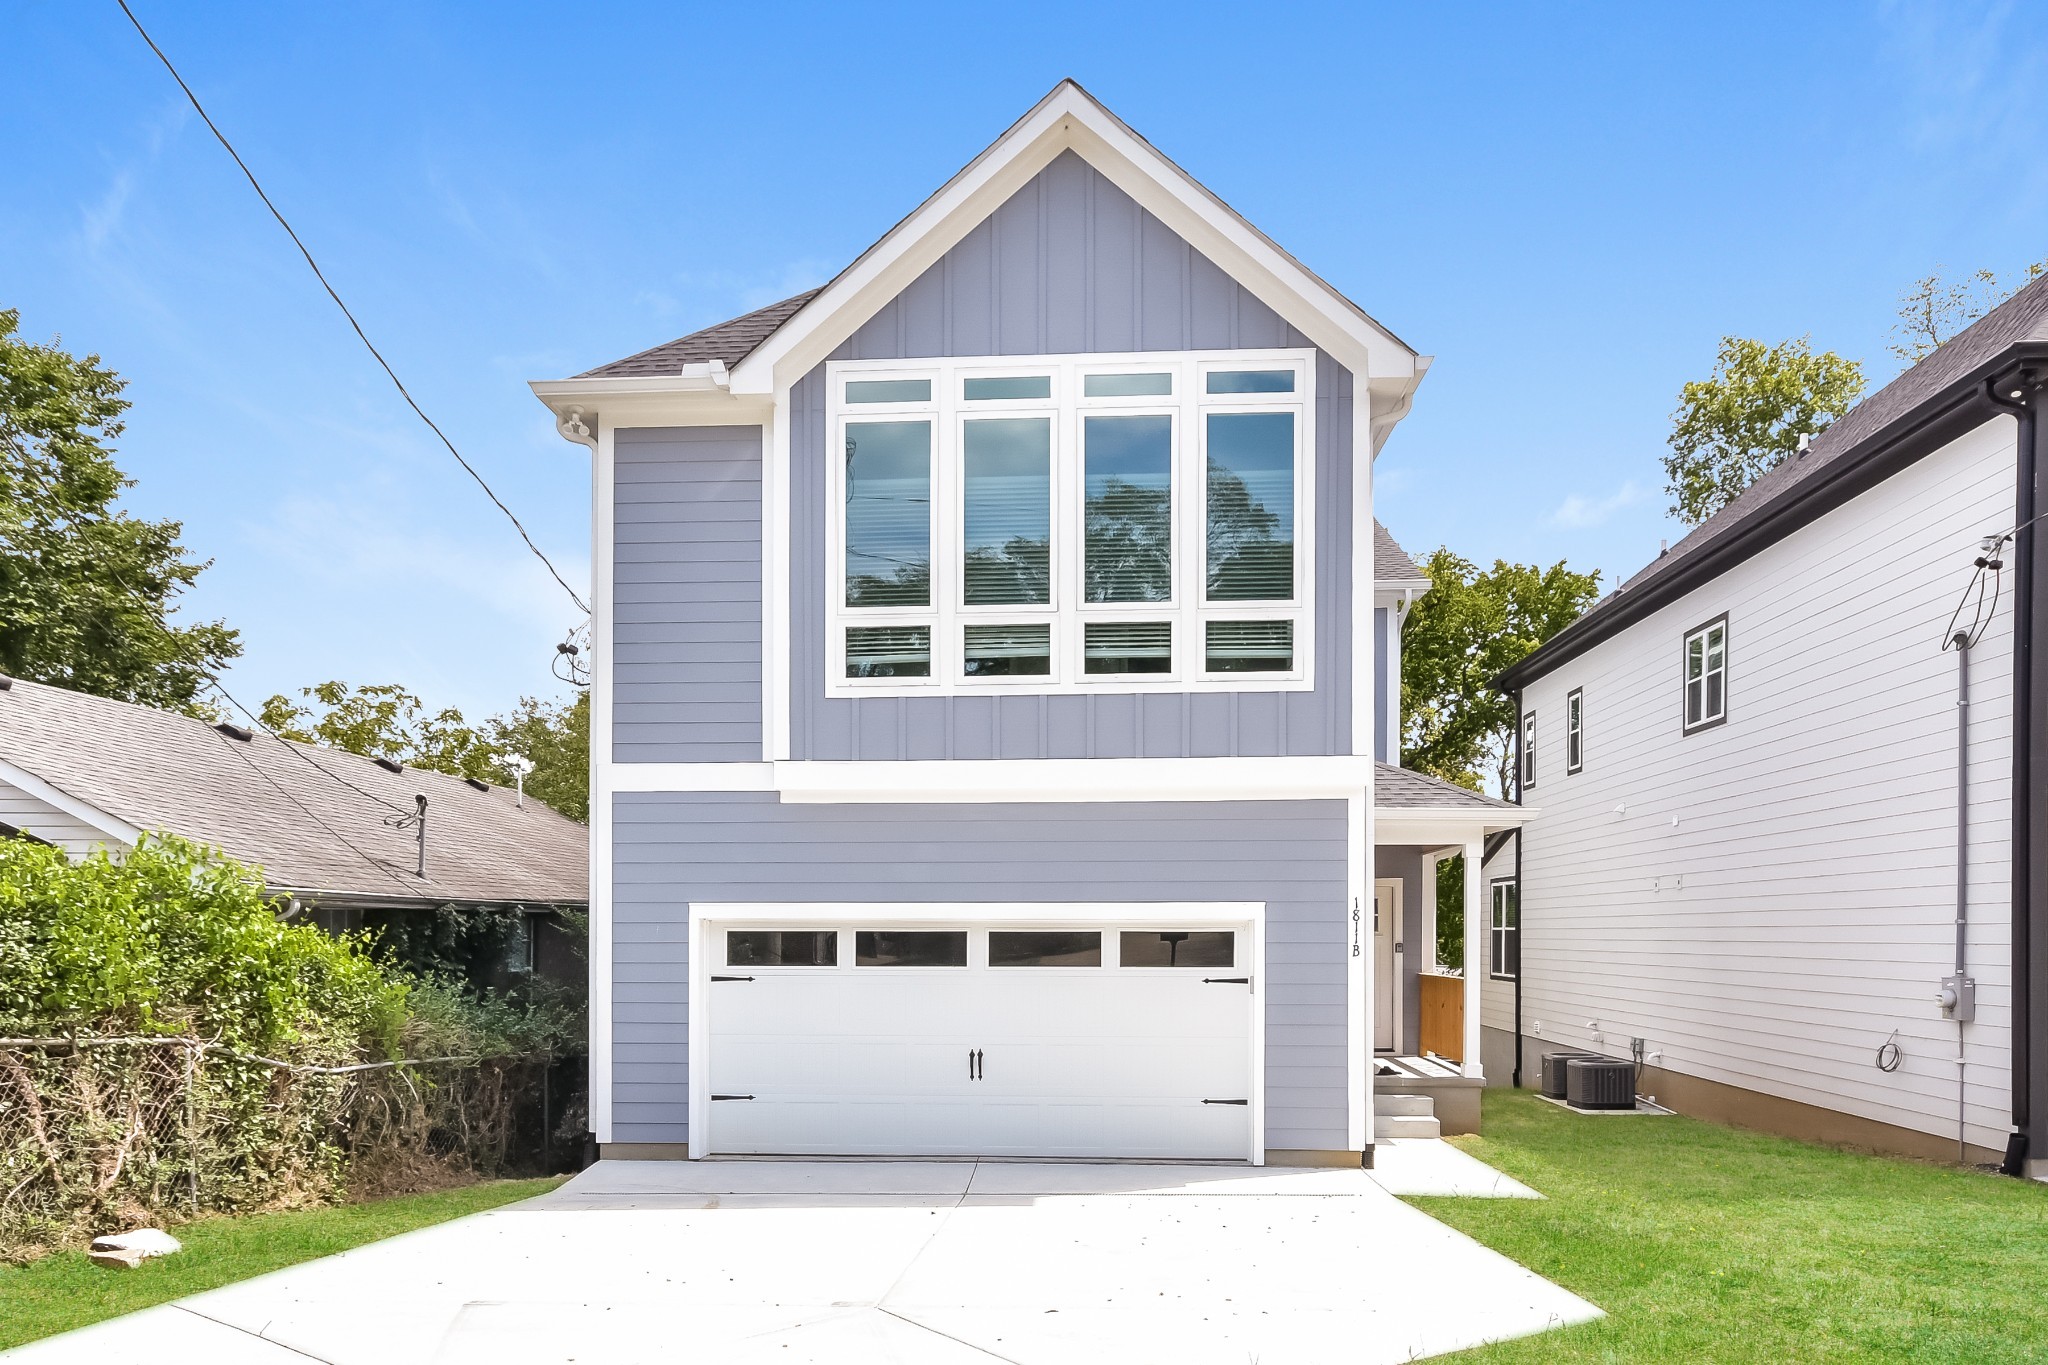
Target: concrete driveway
(925,1263)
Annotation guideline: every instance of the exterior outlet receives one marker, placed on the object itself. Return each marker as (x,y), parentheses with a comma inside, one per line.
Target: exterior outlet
(1958,998)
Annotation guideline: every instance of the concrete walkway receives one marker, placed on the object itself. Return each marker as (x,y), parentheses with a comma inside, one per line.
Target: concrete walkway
(918,1262)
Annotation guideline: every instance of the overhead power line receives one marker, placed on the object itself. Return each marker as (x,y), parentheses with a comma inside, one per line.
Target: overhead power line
(319,275)
(257,721)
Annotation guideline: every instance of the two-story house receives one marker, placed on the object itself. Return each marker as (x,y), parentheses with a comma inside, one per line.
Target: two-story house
(1793,852)
(992,712)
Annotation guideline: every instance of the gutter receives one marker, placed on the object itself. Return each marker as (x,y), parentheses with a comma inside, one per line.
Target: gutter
(1964,404)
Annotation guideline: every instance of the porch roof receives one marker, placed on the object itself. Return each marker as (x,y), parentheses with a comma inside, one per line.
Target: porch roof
(1405,789)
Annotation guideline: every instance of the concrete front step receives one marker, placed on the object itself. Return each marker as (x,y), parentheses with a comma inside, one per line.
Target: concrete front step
(1412,1105)
(1405,1126)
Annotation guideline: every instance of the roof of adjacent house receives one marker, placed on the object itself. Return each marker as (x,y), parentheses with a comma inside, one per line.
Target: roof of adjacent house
(1391,563)
(1915,414)
(313,818)
(1405,789)
(728,342)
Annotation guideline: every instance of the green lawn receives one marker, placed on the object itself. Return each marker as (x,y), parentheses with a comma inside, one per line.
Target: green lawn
(64,1291)
(1708,1244)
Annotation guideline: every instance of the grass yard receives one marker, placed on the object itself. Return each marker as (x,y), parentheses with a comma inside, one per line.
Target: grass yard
(1708,1244)
(64,1291)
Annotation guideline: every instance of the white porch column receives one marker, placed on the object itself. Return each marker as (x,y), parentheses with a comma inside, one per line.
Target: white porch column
(1478,919)
(1429,862)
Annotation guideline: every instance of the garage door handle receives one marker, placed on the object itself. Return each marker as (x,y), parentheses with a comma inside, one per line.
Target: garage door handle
(1226,1101)
(1206,981)
(748,1097)
(732,978)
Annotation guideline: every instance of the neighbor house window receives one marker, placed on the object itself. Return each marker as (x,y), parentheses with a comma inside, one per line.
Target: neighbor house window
(1113,522)
(1528,773)
(1706,675)
(1505,942)
(1575,730)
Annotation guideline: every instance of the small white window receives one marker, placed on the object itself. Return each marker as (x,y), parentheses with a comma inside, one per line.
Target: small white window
(1504,960)
(1528,750)
(1575,730)
(1706,675)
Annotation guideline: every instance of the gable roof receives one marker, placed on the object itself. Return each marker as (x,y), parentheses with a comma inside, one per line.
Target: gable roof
(262,803)
(1405,789)
(1391,563)
(1932,403)
(1068,118)
(728,343)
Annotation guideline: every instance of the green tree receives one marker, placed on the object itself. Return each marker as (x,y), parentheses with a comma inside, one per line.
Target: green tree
(1937,307)
(87,591)
(1458,637)
(384,720)
(1738,424)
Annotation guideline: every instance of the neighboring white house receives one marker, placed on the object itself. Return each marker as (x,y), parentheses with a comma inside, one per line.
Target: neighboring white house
(992,706)
(328,829)
(1773,834)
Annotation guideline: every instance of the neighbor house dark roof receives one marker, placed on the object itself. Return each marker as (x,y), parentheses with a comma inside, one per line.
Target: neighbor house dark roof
(1405,789)
(729,342)
(264,801)
(1391,563)
(1929,405)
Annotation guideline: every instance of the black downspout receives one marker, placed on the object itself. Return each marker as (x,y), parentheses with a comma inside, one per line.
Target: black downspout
(1521,916)
(2026,765)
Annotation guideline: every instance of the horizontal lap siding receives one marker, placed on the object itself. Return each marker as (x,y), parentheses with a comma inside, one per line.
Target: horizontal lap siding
(686,595)
(670,850)
(32,816)
(1767,901)
(1071,264)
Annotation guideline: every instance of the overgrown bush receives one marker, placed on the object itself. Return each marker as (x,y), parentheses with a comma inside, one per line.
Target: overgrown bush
(174,974)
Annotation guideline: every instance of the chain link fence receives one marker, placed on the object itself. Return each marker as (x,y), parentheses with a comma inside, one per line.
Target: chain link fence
(102,1133)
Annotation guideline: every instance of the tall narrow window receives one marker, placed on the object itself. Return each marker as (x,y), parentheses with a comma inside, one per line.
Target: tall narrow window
(1528,770)
(1575,730)
(1706,675)
(1504,959)
(1251,506)
(889,514)
(1129,510)
(1007,468)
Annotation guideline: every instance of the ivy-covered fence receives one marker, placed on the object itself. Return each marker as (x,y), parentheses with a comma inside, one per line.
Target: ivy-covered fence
(169,1047)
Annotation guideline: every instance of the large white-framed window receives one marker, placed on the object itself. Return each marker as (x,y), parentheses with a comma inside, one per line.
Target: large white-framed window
(1706,675)
(1504,943)
(1124,522)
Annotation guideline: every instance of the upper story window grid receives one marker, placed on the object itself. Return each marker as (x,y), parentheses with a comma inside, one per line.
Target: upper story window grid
(1071,523)
(1575,730)
(1706,674)
(1528,764)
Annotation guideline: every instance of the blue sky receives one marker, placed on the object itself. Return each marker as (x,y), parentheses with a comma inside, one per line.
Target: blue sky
(1566,206)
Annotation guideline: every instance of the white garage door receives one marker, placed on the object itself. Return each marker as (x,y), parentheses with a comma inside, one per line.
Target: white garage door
(939,1040)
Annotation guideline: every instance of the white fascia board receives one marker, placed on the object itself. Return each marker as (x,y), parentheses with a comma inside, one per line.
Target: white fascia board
(647,402)
(1406,825)
(113,826)
(1067,119)
(979,781)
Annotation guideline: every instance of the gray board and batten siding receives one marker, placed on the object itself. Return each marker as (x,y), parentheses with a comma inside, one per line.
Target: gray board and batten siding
(672,849)
(686,595)
(1071,264)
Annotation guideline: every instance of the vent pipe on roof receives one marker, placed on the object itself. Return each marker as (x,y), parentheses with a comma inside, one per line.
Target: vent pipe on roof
(420,821)
(235,731)
(519,765)
(6,683)
(389,765)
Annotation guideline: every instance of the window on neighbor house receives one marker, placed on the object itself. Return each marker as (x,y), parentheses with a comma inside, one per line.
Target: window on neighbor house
(1575,730)
(1528,772)
(1069,522)
(1504,943)
(1706,675)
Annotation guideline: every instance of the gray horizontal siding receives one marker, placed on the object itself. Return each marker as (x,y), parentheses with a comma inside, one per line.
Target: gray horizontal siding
(686,595)
(669,850)
(1072,264)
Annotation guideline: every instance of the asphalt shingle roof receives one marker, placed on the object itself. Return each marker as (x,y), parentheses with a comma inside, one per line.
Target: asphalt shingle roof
(1391,563)
(730,342)
(1405,789)
(257,800)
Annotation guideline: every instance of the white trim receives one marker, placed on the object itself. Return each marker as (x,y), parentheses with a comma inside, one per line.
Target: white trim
(1363,721)
(776,577)
(1074,779)
(113,826)
(1069,118)
(602,516)
(1358,984)
(1448,828)
(1476,904)
(1189,612)
(1247,915)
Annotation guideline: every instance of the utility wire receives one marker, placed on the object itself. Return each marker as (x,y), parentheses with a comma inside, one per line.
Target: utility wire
(319,275)
(300,752)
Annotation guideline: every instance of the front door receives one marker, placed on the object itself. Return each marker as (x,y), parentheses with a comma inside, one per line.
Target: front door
(1386,920)
(1103,1041)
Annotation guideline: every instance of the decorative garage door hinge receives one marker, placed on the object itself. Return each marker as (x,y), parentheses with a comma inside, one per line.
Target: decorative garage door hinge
(748,1097)
(1206,1101)
(732,978)
(1211,980)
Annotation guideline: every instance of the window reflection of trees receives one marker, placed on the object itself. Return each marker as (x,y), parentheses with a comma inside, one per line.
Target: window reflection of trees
(1129,531)
(1247,561)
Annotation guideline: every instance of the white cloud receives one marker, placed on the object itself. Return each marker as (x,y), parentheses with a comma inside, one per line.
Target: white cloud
(1579,511)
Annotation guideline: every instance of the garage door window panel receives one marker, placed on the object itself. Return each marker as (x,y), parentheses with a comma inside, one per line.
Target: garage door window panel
(782,948)
(1177,948)
(910,948)
(1044,948)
